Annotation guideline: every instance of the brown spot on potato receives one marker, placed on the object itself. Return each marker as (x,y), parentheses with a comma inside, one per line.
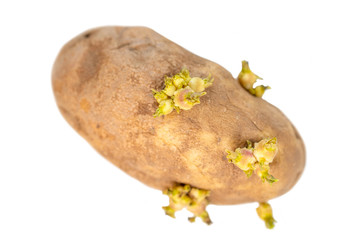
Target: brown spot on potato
(87,35)
(89,66)
(85,105)
(101,132)
(144,109)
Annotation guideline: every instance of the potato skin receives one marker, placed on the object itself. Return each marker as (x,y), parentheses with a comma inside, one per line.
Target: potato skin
(102,81)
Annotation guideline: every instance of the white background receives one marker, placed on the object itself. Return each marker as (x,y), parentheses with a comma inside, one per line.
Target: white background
(53,185)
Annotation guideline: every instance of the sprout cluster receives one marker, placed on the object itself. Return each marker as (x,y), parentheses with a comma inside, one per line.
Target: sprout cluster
(193,199)
(180,92)
(256,158)
(247,79)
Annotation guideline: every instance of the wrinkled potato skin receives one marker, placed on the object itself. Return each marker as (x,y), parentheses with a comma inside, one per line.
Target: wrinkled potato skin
(102,81)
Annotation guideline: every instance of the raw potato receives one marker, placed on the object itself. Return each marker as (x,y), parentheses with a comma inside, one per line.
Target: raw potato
(102,80)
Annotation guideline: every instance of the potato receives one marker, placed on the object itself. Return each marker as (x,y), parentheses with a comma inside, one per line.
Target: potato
(103,81)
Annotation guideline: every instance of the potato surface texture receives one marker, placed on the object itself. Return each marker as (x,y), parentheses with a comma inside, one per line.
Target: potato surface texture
(102,81)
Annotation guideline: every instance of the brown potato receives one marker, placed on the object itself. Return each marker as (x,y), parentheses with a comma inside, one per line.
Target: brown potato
(102,80)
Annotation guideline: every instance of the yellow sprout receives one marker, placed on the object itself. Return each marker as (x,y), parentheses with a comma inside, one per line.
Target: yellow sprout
(169,88)
(186,98)
(265,213)
(266,150)
(242,158)
(193,199)
(257,158)
(247,79)
(197,84)
(160,96)
(180,92)
(165,107)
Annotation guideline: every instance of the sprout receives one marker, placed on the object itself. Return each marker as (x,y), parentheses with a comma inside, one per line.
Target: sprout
(186,98)
(197,84)
(165,107)
(169,87)
(265,213)
(262,170)
(179,82)
(159,96)
(193,199)
(266,150)
(184,74)
(180,92)
(259,90)
(208,81)
(256,158)
(243,158)
(247,79)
